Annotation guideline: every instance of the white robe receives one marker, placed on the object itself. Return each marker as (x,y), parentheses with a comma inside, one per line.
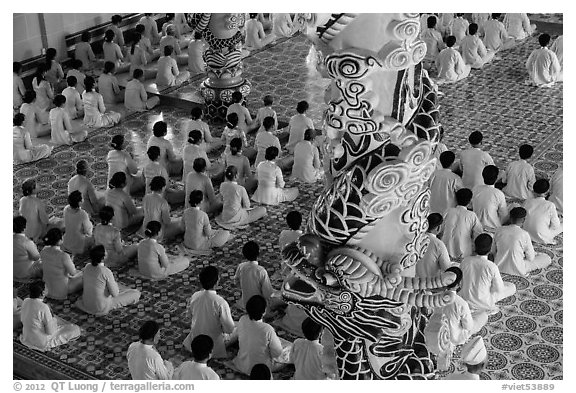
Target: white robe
(451,66)
(461,227)
(543,67)
(542,222)
(556,190)
(443,186)
(436,259)
(489,204)
(519,178)
(472,162)
(258,343)
(144,362)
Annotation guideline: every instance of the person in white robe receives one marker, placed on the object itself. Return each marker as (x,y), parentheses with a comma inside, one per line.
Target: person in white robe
(518,25)
(488,202)
(307,167)
(519,176)
(473,50)
(287,236)
(73,104)
(255,36)
(198,233)
(459,28)
(513,250)
(450,65)
(473,161)
(297,125)
(250,277)
(543,65)
(25,256)
(495,35)
(153,262)
(168,158)
(556,190)
(461,226)
(307,353)
(196,49)
(42,330)
(62,132)
(18,88)
(436,259)
(22,148)
(480,19)
(36,120)
(156,208)
(168,74)
(92,200)
(209,314)
(144,361)
(482,284)
(95,114)
(135,96)
(202,346)
(542,222)
(443,185)
(475,357)
(282,25)
(433,40)
(445,20)
(271,183)
(558,48)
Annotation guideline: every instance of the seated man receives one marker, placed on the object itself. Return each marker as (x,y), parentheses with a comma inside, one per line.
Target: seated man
(513,250)
(488,202)
(433,40)
(482,285)
(255,36)
(450,65)
(543,65)
(144,361)
(542,222)
(473,50)
(558,48)
(474,358)
(461,226)
(495,35)
(436,259)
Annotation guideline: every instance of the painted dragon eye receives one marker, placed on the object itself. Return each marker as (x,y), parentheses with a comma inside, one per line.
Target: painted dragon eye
(329,279)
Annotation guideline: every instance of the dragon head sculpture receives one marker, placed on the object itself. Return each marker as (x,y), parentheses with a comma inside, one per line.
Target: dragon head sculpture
(369,225)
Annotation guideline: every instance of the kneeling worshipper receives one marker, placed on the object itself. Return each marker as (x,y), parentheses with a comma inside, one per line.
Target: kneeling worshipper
(543,65)
(542,221)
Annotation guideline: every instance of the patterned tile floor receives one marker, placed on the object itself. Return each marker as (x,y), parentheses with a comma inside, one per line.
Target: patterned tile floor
(524,340)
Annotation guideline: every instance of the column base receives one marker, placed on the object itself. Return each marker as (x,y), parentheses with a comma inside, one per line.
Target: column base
(218,99)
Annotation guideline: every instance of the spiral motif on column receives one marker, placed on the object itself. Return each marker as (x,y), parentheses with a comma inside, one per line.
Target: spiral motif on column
(419,154)
(407,29)
(418,50)
(349,65)
(375,206)
(385,178)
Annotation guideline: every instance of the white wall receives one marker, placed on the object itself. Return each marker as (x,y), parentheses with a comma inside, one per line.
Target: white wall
(27,38)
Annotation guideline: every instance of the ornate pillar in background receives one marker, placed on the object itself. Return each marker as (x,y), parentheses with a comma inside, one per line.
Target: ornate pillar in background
(367,230)
(223,60)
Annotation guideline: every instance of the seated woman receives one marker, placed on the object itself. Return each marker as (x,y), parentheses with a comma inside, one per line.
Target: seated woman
(37,121)
(198,180)
(138,58)
(192,151)
(232,131)
(307,167)
(168,74)
(34,210)
(152,260)
(102,293)
(120,160)
(236,211)
(92,200)
(73,104)
(62,132)
(22,148)
(44,91)
(156,208)
(168,158)
(240,161)
(25,256)
(265,138)
(41,329)
(135,96)
(16,308)
(199,234)
(171,40)
(107,235)
(84,52)
(208,143)
(54,72)
(271,189)
(126,213)
(59,273)
(108,85)
(95,114)
(78,227)
(113,53)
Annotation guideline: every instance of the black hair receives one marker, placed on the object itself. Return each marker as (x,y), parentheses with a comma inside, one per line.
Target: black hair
(231,172)
(490,174)
(77,64)
(106,214)
(18,224)
(251,250)
(472,29)
(81,167)
(74,199)
(40,70)
(541,186)
(235,146)
(544,39)
(18,119)
(109,67)
(309,134)
(89,83)
(168,49)
(268,122)
(208,276)
(157,183)
(195,137)
(260,372)
(463,196)
(256,307)
(153,153)
(116,19)
(196,113)
(475,138)
(199,165)
(434,220)
(431,22)
(16,67)
(271,153)
(137,74)
(483,244)
(253,16)
(525,151)
(450,41)
(117,142)
(28,187)
(170,16)
(237,96)
(153,228)
(268,100)
(118,180)
(109,35)
(160,129)
(232,120)
(311,329)
(97,254)
(140,28)
(50,56)
(294,219)
(86,36)
(148,330)
(302,107)
(202,346)
(29,96)
(447,158)
(36,289)
(475,368)
(71,81)
(517,213)
(53,236)
(136,37)
(195,197)
(59,100)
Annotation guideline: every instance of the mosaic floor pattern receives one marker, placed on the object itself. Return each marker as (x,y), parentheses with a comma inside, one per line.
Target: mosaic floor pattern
(524,340)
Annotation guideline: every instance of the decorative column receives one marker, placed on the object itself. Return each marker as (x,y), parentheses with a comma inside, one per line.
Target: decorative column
(223,60)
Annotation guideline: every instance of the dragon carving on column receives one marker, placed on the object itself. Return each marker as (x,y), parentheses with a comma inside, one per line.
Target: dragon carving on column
(223,59)
(369,225)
